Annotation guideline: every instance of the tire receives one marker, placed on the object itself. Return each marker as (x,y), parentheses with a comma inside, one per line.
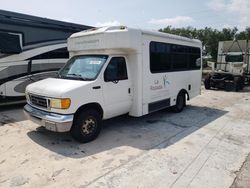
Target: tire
(86,126)
(242,83)
(180,102)
(207,82)
(237,83)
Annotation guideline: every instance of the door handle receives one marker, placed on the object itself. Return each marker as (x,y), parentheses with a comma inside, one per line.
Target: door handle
(96,87)
(129,91)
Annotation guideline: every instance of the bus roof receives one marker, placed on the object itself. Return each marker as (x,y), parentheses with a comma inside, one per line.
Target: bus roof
(100,30)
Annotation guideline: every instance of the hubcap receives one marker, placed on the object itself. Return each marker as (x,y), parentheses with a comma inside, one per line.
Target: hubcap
(89,125)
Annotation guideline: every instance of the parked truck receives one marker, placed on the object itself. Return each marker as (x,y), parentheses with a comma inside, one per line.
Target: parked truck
(232,69)
(114,71)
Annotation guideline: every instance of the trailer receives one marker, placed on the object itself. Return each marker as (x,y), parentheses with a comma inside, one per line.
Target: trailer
(232,69)
(31,49)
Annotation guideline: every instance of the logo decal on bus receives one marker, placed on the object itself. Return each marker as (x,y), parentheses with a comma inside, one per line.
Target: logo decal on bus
(156,85)
(165,81)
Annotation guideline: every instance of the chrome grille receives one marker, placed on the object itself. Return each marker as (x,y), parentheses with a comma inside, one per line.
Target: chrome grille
(39,101)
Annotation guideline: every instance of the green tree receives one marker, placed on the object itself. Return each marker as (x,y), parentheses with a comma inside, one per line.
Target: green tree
(243,35)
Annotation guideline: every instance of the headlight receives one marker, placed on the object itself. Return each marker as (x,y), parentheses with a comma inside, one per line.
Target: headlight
(60,103)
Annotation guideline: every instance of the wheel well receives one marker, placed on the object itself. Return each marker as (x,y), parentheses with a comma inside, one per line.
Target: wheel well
(95,106)
(185,92)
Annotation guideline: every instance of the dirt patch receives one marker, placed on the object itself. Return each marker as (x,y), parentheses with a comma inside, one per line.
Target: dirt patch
(4,120)
(242,179)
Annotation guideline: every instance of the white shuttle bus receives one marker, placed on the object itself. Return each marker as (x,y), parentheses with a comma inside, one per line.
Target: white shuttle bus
(114,71)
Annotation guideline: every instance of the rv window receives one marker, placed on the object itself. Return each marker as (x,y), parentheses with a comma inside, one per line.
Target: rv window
(55,54)
(14,71)
(116,70)
(43,66)
(10,43)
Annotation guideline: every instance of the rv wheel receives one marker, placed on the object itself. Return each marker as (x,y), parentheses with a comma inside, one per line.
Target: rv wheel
(87,126)
(180,102)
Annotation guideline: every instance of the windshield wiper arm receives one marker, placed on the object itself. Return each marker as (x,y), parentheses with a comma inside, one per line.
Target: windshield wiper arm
(78,76)
(73,74)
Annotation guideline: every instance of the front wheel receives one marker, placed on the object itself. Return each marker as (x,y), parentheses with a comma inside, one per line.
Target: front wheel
(87,126)
(180,102)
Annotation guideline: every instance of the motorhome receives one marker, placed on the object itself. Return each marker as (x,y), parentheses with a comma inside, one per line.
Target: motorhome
(31,49)
(114,71)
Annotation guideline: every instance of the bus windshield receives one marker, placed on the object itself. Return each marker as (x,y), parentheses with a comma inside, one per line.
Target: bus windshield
(86,67)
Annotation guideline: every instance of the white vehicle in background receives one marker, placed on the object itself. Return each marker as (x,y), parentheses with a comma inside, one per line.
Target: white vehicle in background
(232,69)
(114,71)
(19,70)
(31,49)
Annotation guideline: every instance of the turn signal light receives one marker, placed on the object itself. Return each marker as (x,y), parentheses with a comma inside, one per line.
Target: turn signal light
(60,103)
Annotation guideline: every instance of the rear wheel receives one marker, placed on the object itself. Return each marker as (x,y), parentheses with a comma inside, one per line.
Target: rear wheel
(180,102)
(237,83)
(242,83)
(87,126)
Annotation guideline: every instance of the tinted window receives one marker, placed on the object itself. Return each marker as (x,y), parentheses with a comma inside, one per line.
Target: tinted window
(160,57)
(10,43)
(55,54)
(194,61)
(172,57)
(179,61)
(116,70)
(43,66)
(13,72)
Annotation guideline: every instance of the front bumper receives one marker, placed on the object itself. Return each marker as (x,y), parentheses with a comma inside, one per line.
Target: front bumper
(51,121)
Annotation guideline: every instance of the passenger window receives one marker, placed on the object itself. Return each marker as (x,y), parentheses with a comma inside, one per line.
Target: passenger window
(116,70)
(166,57)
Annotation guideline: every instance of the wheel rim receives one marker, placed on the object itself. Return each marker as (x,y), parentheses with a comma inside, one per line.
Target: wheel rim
(89,125)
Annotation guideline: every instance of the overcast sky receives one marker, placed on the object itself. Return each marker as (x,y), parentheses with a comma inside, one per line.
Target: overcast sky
(150,14)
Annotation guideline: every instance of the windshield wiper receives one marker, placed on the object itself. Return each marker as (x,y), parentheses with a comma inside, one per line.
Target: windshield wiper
(78,76)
